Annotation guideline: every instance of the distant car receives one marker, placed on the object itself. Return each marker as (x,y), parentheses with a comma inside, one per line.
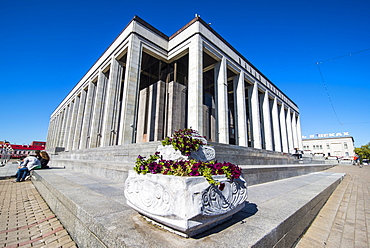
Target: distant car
(365,161)
(346,160)
(332,158)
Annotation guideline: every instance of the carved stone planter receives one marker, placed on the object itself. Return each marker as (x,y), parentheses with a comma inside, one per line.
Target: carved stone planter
(186,205)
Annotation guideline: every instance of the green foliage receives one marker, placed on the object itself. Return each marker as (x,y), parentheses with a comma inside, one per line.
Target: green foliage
(364,151)
(184,141)
(154,165)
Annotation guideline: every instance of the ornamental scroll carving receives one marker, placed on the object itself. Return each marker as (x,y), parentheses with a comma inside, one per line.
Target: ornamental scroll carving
(150,196)
(215,201)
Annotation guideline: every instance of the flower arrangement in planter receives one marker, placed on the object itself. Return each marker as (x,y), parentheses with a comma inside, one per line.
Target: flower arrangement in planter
(184,141)
(183,194)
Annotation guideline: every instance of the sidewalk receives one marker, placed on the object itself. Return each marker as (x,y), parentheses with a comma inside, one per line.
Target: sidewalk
(25,218)
(344,221)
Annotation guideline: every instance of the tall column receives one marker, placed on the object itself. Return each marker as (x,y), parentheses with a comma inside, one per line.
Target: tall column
(276,126)
(267,121)
(255,116)
(58,129)
(52,136)
(222,106)
(127,126)
(87,116)
(79,119)
(62,127)
(241,111)
(283,129)
(97,115)
(195,85)
(49,134)
(289,131)
(294,130)
(67,125)
(74,109)
(49,140)
(299,133)
(111,107)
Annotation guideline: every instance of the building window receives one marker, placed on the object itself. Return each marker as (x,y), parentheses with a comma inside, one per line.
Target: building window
(327,146)
(345,145)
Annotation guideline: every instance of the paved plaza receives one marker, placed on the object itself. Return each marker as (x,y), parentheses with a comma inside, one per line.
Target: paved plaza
(25,218)
(344,221)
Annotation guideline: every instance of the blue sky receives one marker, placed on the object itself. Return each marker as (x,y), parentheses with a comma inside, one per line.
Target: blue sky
(47,46)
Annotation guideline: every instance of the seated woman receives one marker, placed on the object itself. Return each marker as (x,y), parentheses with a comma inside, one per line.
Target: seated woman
(29,163)
(44,160)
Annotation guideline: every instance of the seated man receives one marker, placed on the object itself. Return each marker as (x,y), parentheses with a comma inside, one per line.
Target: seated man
(29,163)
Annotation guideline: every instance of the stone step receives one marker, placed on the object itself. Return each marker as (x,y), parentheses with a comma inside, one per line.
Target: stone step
(256,174)
(113,162)
(224,152)
(121,153)
(94,211)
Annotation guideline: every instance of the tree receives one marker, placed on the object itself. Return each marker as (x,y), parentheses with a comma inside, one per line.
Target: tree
(364,151)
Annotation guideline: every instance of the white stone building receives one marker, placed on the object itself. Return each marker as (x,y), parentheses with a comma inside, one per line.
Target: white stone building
(147,85)
(340,146)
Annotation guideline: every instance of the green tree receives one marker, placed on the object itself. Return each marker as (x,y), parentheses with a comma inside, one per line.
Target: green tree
(364,151)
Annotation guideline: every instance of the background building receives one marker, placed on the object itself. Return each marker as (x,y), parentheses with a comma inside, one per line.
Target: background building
(147,85)
(8,151)
(334,144)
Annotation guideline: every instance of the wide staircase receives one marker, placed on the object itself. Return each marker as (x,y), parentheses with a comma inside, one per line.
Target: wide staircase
(85,188)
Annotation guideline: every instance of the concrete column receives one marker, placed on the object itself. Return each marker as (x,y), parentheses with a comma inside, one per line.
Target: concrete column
(98,110)
(111,107)
(267,121)
(255,116)
(195,85)
(49,134)
(155,114)
(289,131)
(276,126)
(79,120)
(49,139)
(59,128)
(222,106)
(68,125)
(176,102)
(283,129)
(87,116)
(74,108)
(54,136)
(62,127)
(294,130)
(242,132)
(128,123)
(141,132)
(299,133)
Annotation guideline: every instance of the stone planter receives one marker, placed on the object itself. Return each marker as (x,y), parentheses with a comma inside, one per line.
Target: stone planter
(186,205)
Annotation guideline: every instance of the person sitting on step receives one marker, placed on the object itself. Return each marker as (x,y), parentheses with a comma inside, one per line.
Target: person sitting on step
(28,164)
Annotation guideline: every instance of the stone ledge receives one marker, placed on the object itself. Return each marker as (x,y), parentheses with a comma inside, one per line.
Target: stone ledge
(94,211)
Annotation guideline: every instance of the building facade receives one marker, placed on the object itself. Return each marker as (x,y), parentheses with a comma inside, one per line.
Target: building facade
(147,85)
(335,146)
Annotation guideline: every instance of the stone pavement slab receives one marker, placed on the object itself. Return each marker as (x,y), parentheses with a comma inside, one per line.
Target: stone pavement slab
(277,212)
(344,221)
(25,218)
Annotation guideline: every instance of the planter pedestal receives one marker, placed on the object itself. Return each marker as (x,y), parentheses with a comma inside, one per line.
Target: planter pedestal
(188,205)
